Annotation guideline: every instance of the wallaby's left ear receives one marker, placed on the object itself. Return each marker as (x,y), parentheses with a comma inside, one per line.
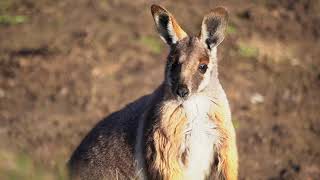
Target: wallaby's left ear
(213,27)
(167,26)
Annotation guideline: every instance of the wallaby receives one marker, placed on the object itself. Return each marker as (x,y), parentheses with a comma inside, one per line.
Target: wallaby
(183,130)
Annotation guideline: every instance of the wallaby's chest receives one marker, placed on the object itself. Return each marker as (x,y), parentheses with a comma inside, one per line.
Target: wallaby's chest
(200,137)
(184,139)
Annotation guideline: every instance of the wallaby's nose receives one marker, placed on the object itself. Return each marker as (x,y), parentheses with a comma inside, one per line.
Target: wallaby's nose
(182,91)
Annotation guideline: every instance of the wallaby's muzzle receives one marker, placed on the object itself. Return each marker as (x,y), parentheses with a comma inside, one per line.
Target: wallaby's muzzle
(182,91)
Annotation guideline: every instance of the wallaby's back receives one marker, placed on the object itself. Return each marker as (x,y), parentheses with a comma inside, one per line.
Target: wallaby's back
(107,152)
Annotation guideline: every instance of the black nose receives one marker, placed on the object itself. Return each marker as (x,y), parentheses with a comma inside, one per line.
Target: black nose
(182,91)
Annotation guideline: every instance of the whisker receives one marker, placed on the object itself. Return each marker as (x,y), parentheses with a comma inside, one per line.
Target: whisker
(214,101)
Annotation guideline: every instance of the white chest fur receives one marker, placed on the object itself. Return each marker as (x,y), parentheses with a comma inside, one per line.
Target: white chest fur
(201,137)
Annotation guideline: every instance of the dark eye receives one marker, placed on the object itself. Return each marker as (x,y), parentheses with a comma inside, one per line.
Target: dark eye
(203,68)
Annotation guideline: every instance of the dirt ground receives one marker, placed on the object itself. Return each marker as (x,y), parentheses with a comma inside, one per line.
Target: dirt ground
(66,64)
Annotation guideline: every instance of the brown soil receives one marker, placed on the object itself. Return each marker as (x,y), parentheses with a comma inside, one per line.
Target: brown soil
(72,63)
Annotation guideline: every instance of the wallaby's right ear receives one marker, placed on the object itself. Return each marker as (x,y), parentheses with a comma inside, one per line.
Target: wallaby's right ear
(167,26)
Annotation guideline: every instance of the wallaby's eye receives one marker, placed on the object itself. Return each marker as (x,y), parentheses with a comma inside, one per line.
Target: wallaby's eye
(203,68)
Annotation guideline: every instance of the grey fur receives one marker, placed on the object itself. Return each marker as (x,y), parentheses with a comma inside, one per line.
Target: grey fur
(107,152)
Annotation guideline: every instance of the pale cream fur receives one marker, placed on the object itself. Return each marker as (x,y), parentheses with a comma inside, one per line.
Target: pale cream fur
(201,126)
(201,137)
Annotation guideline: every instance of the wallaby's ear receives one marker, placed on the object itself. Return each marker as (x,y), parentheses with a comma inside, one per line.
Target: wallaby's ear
(167,26)
(213,27)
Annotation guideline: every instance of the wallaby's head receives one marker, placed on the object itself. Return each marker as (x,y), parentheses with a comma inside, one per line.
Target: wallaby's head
(192,61)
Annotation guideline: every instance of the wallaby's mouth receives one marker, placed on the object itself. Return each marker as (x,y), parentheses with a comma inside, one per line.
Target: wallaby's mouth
(181,100)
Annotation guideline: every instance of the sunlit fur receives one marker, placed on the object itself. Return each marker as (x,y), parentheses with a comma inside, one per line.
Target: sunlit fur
(163,135)
(168,137)
(201,126)
(190,133)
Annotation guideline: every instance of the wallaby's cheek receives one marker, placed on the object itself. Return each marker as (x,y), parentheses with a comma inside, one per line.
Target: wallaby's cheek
(196,81)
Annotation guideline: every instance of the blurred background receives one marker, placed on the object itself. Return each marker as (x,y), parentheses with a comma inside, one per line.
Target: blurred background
(66,64)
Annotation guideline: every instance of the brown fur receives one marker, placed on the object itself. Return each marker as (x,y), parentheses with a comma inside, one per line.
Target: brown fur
(168,136)
(227,150)
(151,130)
(177,29)
(204,60)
